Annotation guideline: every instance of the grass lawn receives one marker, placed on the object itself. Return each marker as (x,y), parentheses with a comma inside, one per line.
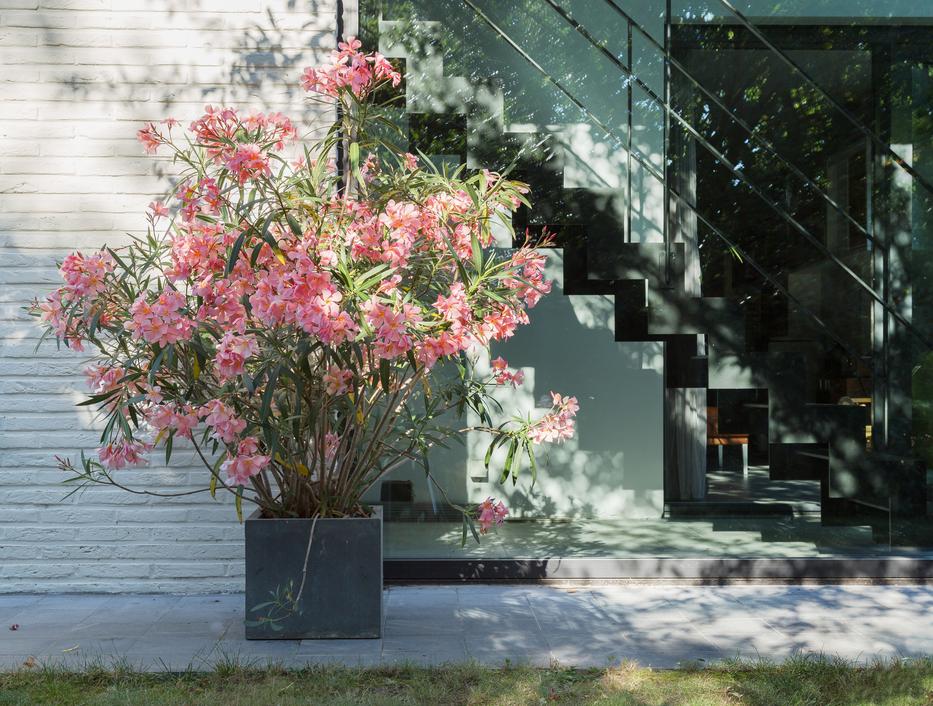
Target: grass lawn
(802,681)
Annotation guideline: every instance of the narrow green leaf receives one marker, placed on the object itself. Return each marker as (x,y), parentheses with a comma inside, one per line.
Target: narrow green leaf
(267,394)
(385,374)
(213,486)
(235,251)
(532,463)
(473,529)
(464,533)
(168,447)
(293,224)
(239,503)
(509,458)
(155,365)
(477,254)
(492,447)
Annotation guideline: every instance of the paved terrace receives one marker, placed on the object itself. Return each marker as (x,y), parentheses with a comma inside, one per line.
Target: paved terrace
(659,626)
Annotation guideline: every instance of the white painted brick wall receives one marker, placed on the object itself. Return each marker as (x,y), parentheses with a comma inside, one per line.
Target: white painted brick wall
(77,79)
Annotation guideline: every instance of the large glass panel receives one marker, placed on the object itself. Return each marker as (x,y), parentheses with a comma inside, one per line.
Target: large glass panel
(743,277)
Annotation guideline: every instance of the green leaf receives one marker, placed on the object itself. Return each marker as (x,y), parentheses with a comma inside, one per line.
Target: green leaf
(385,374)
(213,486)
(97,398)
(354,155)
(509,458)
(473,528)
(464,533)
(532,463)
(492,447)
(293,224)
(235,251)
(168,447)
(155,365)
(239,503)
(477,254)
(267,394)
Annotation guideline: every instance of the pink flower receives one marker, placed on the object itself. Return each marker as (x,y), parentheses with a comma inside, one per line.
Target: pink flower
(123,453)
(182,420)
(222,420)
(232,353)
(491,513)
(157,209)
(410,161)
(246,463)
(503,376)
(84,275)
(105,378)
(350,69)
(249,162)
(336,380)
(160,322)
(383,69)
(557,424)
(150,137)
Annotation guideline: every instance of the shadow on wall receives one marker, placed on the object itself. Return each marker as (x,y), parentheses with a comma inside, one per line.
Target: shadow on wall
(613,466)
(102,75)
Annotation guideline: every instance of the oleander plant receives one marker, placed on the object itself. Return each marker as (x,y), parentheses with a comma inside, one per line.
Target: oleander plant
(306,315)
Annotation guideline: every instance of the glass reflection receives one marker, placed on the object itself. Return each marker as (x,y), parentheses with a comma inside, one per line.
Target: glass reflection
(744,271)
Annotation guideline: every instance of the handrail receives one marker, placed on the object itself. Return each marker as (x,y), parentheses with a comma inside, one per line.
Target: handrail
(658,175)
(870,134)
(721,158)
(712,97)
(654,171)
(773,281)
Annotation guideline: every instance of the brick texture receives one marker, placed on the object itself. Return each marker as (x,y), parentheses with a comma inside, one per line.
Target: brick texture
(77,79)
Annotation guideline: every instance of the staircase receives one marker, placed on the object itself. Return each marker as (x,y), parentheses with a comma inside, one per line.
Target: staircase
(820,445)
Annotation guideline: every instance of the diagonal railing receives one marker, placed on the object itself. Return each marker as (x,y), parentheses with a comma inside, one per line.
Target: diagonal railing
(752,133)
(861,127)
(736,172)
(650,168)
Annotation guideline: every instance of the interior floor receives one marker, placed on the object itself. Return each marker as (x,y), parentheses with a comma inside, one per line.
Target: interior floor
(750,537)
(758,486)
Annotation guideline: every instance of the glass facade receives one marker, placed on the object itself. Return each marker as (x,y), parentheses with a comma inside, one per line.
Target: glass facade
(741,193)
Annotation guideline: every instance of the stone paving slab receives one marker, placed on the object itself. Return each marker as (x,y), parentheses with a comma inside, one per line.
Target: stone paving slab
(591,626)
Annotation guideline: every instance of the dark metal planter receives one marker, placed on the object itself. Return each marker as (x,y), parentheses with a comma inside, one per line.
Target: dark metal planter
(342,596)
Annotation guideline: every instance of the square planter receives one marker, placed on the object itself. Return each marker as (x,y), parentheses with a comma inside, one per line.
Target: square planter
(342,596)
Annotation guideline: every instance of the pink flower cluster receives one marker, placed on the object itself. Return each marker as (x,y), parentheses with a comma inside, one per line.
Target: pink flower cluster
(245,463)
(351,69)
(249,162)
(85,275)
(394,326)
(491,513)
(160,322)
(240,143)
(182,420)
(303,294)
(101,379)
(222,420)
(232,354)
(337,380)
(123,453)
(505,377)
(532,285)
(221,130)
(557,424)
